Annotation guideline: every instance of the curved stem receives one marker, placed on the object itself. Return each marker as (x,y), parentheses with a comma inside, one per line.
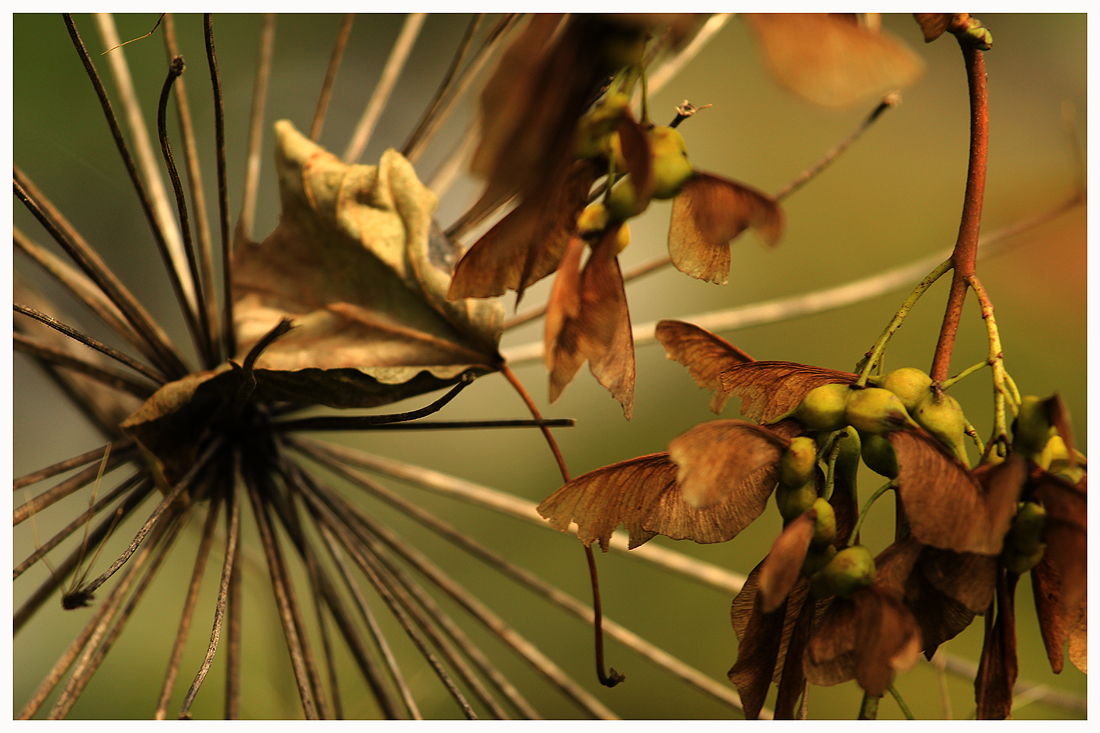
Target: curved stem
(854,536)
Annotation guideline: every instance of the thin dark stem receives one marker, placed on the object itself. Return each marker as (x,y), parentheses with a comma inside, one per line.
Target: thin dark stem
(612,677)
(228,334)
(280,582)
(158,348)
(233,520)
(248,368)
(232,612)
(161,541)
(868,709)
(67,465)
(965,256)
(80,521)
(366,422)
(62,571)
(207,307)
(417,141)
(69,485)
(115,379)
(202,332)
(189,603)
(256,129)
(330,75)
(166,504)
(91,342)
(123,149)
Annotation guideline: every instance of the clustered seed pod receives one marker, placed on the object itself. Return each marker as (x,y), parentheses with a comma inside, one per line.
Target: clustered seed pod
(1031,430)
(824,524)
(851,569)
(671,168)
(823,408)
(942,416)
(794,500)
(1023,548)
(796,467)
(911,385)
(879,455)
(875,410)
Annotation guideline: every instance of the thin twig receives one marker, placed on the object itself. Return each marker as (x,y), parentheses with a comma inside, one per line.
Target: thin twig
(330,75)
(87,340)
(208,307)
(67,465)
(68,486)
(161,210)
(122,381)
(402,47)
(818,301)
(228,334)
(256,130)
(233,520)
(158,347)
(188,613)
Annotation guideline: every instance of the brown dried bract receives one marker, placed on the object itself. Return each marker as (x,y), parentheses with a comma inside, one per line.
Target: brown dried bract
(771,389)
(707,214)
(705,354)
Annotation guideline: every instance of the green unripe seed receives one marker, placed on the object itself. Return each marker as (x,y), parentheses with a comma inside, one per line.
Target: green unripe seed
(817,559)
(796,467)
(1027,527)
(823,408)
(880,456)
(671,168)
(942,416)
(910,384)
(623,202)
(1031,431)
(852,568)
(824,524)
(875,410)
(792,502)
(1021,562)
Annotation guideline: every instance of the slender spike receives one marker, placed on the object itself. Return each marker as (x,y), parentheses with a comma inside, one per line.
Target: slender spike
(280,503)
(161,207)
(202,331)
(81,521)
(69,485)
(330,75)
(99,645)
(188,613)
(228,334)
(67,465)
(62,571)
(280,584)
(80,287)
(158,347)
(367,422)
(233,520)
(402,47)
(256,130)
(89,341)
(169,500)
(233,611)
(382,695)
(385,591)
(433,116)
(209,306)
(540,662)
(113,378)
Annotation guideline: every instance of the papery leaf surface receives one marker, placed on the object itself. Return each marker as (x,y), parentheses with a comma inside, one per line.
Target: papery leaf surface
(945,504)
(722,460)
(770,389)
(360,269)
(705,355)
(707,214)
(831,61)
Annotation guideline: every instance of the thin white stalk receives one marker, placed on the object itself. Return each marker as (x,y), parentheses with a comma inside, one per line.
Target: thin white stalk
(390,73)
(668,70)
(256,128)
(163,206)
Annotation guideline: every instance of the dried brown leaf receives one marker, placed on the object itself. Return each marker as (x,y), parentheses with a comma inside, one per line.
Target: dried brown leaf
(722,460)
(944,503)
(771,389)
(758,655)
(1079,640)
(704,354)
(358,266)
(782,567)
(638,155)
(1046,589)
(831,61)
(527,244)
(1066,534)
(587,319)
(601,500)
(998,668)
(932,25)
(707,214)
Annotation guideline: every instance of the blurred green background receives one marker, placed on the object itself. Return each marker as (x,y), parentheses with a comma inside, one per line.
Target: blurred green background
(894,197)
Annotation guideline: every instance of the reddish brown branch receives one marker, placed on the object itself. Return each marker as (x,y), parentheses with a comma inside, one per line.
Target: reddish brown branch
(965,255)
